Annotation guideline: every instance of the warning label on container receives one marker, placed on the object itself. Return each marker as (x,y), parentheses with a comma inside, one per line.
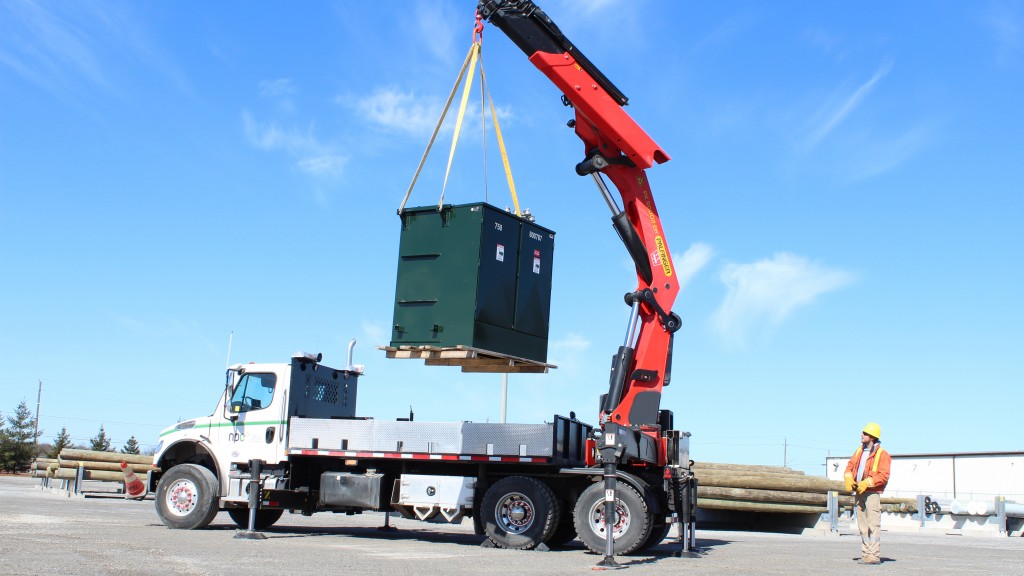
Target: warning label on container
(536,265)
(500,255)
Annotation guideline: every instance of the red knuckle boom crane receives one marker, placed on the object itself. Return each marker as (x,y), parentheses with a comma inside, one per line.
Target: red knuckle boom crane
(615,146)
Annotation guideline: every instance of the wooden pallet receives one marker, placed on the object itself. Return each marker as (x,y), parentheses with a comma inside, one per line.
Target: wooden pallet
(469,359)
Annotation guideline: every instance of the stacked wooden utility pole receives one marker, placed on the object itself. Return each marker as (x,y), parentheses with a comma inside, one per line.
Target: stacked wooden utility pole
(774,489)
(98,465)
(104,466)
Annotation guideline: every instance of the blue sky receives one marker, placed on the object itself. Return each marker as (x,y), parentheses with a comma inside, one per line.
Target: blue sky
(844,201)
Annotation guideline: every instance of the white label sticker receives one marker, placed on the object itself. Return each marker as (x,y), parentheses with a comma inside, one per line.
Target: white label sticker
(500,256)
(609,495)
(536,265)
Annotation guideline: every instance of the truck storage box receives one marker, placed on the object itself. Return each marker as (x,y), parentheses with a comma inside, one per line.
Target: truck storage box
(473,275)
(317,391)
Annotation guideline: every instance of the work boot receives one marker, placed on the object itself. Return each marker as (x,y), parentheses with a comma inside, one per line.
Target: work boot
(869,560)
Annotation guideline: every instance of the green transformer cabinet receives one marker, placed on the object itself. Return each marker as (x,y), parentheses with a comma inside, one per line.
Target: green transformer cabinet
(473,275)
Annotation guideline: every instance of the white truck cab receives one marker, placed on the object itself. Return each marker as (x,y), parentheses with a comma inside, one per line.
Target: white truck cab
(249,423)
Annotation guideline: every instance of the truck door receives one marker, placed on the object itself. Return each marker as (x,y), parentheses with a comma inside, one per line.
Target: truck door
(255,413)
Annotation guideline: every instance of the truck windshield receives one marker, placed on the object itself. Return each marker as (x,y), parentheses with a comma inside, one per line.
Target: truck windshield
(253,392)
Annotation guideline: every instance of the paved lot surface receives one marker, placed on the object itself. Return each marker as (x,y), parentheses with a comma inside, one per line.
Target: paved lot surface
(46,532)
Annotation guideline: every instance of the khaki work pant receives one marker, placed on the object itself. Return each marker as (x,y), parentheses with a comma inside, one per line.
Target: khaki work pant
(869,521)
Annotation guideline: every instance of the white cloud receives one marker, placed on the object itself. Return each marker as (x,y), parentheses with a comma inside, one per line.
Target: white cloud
(884,155)
(832,114)
(133,325)
(1005,26)
(378,332)
(766,292)
(398,110)
(55,44)
(823,39)
(269,136)
(408,112)
(437,27)
(276,88)
(322,165)
(70,49)
(280,91)
(725,32)
(311,156)
(589,7)
(571,343)
(569,353)
(692,261)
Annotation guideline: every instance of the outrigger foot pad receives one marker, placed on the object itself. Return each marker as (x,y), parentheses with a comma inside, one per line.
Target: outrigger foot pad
(608,563)
(687,554)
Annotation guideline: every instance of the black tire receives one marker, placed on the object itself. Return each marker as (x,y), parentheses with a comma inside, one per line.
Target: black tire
(633,522)
(564,533)
(186,497)
(519,513)
(658,534)
(264,518)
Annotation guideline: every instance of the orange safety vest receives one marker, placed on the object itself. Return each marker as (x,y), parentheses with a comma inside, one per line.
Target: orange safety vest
(876,469)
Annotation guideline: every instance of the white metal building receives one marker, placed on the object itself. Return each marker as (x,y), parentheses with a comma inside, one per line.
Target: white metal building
(971,475)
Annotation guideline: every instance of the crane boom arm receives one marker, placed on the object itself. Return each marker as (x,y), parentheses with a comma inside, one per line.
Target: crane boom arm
(595,98)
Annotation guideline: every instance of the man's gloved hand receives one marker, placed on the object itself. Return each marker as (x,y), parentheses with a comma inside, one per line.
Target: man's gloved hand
(848,479)
(863,485)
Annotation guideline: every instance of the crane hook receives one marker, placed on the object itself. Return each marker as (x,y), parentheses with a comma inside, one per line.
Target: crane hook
(478,29)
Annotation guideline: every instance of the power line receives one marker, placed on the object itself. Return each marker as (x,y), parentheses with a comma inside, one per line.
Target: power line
(101,421)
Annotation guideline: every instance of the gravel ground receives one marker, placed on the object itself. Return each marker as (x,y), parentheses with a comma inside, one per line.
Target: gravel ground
(45,531)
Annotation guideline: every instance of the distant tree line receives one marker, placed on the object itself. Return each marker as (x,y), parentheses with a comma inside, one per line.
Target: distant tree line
(19,441)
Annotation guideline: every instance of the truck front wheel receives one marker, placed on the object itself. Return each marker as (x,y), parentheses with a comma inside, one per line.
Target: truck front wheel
(519,512)
(631,526)
(186,497)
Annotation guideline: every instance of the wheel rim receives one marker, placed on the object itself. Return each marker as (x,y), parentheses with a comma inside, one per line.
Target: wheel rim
(182,497)
(515,513)
(597,523)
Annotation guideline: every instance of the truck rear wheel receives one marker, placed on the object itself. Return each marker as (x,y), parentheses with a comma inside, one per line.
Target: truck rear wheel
(519,512)
(264,518)
(632,524)
(186,497)
(564,533)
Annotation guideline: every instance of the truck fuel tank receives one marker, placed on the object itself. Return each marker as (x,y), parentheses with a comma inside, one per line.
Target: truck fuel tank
(347,490)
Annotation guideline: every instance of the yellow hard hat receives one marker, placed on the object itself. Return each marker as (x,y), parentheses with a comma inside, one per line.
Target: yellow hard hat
(873,429)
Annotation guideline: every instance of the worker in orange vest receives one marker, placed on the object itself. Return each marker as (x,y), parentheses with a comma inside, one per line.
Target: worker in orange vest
(867,473)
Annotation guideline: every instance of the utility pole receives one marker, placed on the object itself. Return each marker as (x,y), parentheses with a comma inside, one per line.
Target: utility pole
(230,338)
(785,446)
(504,395)
(35,434)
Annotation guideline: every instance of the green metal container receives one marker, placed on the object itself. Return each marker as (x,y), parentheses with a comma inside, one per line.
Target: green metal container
(473,275)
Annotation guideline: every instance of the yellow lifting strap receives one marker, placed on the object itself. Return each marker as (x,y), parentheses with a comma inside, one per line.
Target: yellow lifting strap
(501,143)
(474,55)
(472,59)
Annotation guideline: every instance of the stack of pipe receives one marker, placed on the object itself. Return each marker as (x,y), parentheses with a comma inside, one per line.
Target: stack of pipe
(983,508)
(774,489)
